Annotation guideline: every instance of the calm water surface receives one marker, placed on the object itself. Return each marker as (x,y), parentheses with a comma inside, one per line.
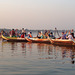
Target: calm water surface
(35,59)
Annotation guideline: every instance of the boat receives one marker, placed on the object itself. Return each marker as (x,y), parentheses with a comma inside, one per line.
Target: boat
(37,40)
(14,39)
(62,42)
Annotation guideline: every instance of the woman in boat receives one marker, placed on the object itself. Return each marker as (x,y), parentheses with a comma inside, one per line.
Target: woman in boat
(70,37)
(39,34)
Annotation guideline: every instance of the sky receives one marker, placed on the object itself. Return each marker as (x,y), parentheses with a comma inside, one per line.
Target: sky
(37,14)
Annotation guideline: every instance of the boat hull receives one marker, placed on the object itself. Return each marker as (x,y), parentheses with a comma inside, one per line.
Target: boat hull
(64,42)
(14,39)
(37,40)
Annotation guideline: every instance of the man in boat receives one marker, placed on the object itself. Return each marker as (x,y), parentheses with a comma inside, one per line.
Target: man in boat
(12,33)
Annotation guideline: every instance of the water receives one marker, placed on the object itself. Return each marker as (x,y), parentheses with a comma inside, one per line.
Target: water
(20,58)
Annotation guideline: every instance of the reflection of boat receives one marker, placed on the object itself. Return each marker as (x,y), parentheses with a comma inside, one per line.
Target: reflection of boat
(64,42)
(14,39)
(37,40)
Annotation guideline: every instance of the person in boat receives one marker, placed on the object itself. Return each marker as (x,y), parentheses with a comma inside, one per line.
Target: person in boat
(22,36)
(39,34)
(45,35)
(12,33)
(63,35)
(72,33)
(51,35)
(70,37)
(23,31)
(30,34)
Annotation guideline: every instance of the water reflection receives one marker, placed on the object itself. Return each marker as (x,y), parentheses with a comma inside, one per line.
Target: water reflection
(56,52)
(40,51)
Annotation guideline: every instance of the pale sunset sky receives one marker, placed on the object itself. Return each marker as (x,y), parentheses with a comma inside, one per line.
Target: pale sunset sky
(37,14)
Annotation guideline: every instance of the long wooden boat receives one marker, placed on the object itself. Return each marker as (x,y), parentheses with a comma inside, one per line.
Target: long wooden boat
(62,42)
(14,39)
(37,40)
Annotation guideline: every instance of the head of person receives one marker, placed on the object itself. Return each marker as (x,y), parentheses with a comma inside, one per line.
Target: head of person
(62,33)
(51,33)
(30,32)
(69,33)
(22,28)
(13,29)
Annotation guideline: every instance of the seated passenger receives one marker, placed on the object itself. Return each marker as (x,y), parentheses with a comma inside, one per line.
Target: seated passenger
(63,36)
(30,34)
(52,36)
(22,36)
(70,37)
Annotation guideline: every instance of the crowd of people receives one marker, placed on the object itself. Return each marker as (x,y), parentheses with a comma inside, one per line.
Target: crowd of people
(14,33)
(41,35)
(68,35)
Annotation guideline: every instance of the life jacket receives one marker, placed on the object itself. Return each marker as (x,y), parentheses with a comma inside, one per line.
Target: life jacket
(30,35)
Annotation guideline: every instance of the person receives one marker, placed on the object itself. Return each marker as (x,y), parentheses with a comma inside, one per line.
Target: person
(39,34)
(48,33)
(22,36)
(12,33)
(23,31)
(52,36)
(30,34)
(56,31)
(63,36)
(70,37)
(72,33)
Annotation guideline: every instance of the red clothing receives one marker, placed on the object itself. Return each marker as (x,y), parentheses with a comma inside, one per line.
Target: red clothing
(22,36)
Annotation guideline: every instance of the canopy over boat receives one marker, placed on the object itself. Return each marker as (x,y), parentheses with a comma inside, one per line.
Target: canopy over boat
(14,39)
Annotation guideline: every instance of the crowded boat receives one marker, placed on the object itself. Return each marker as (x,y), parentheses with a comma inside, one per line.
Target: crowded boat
(46,36)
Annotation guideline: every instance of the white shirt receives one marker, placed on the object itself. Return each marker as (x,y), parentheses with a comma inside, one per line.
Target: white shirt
(70,37)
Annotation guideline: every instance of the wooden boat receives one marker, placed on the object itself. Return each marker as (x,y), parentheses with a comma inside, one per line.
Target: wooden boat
(14,39)
(62,42)
(37,40)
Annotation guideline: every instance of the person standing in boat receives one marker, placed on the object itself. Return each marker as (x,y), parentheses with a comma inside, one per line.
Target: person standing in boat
(23,31)
(12,33)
